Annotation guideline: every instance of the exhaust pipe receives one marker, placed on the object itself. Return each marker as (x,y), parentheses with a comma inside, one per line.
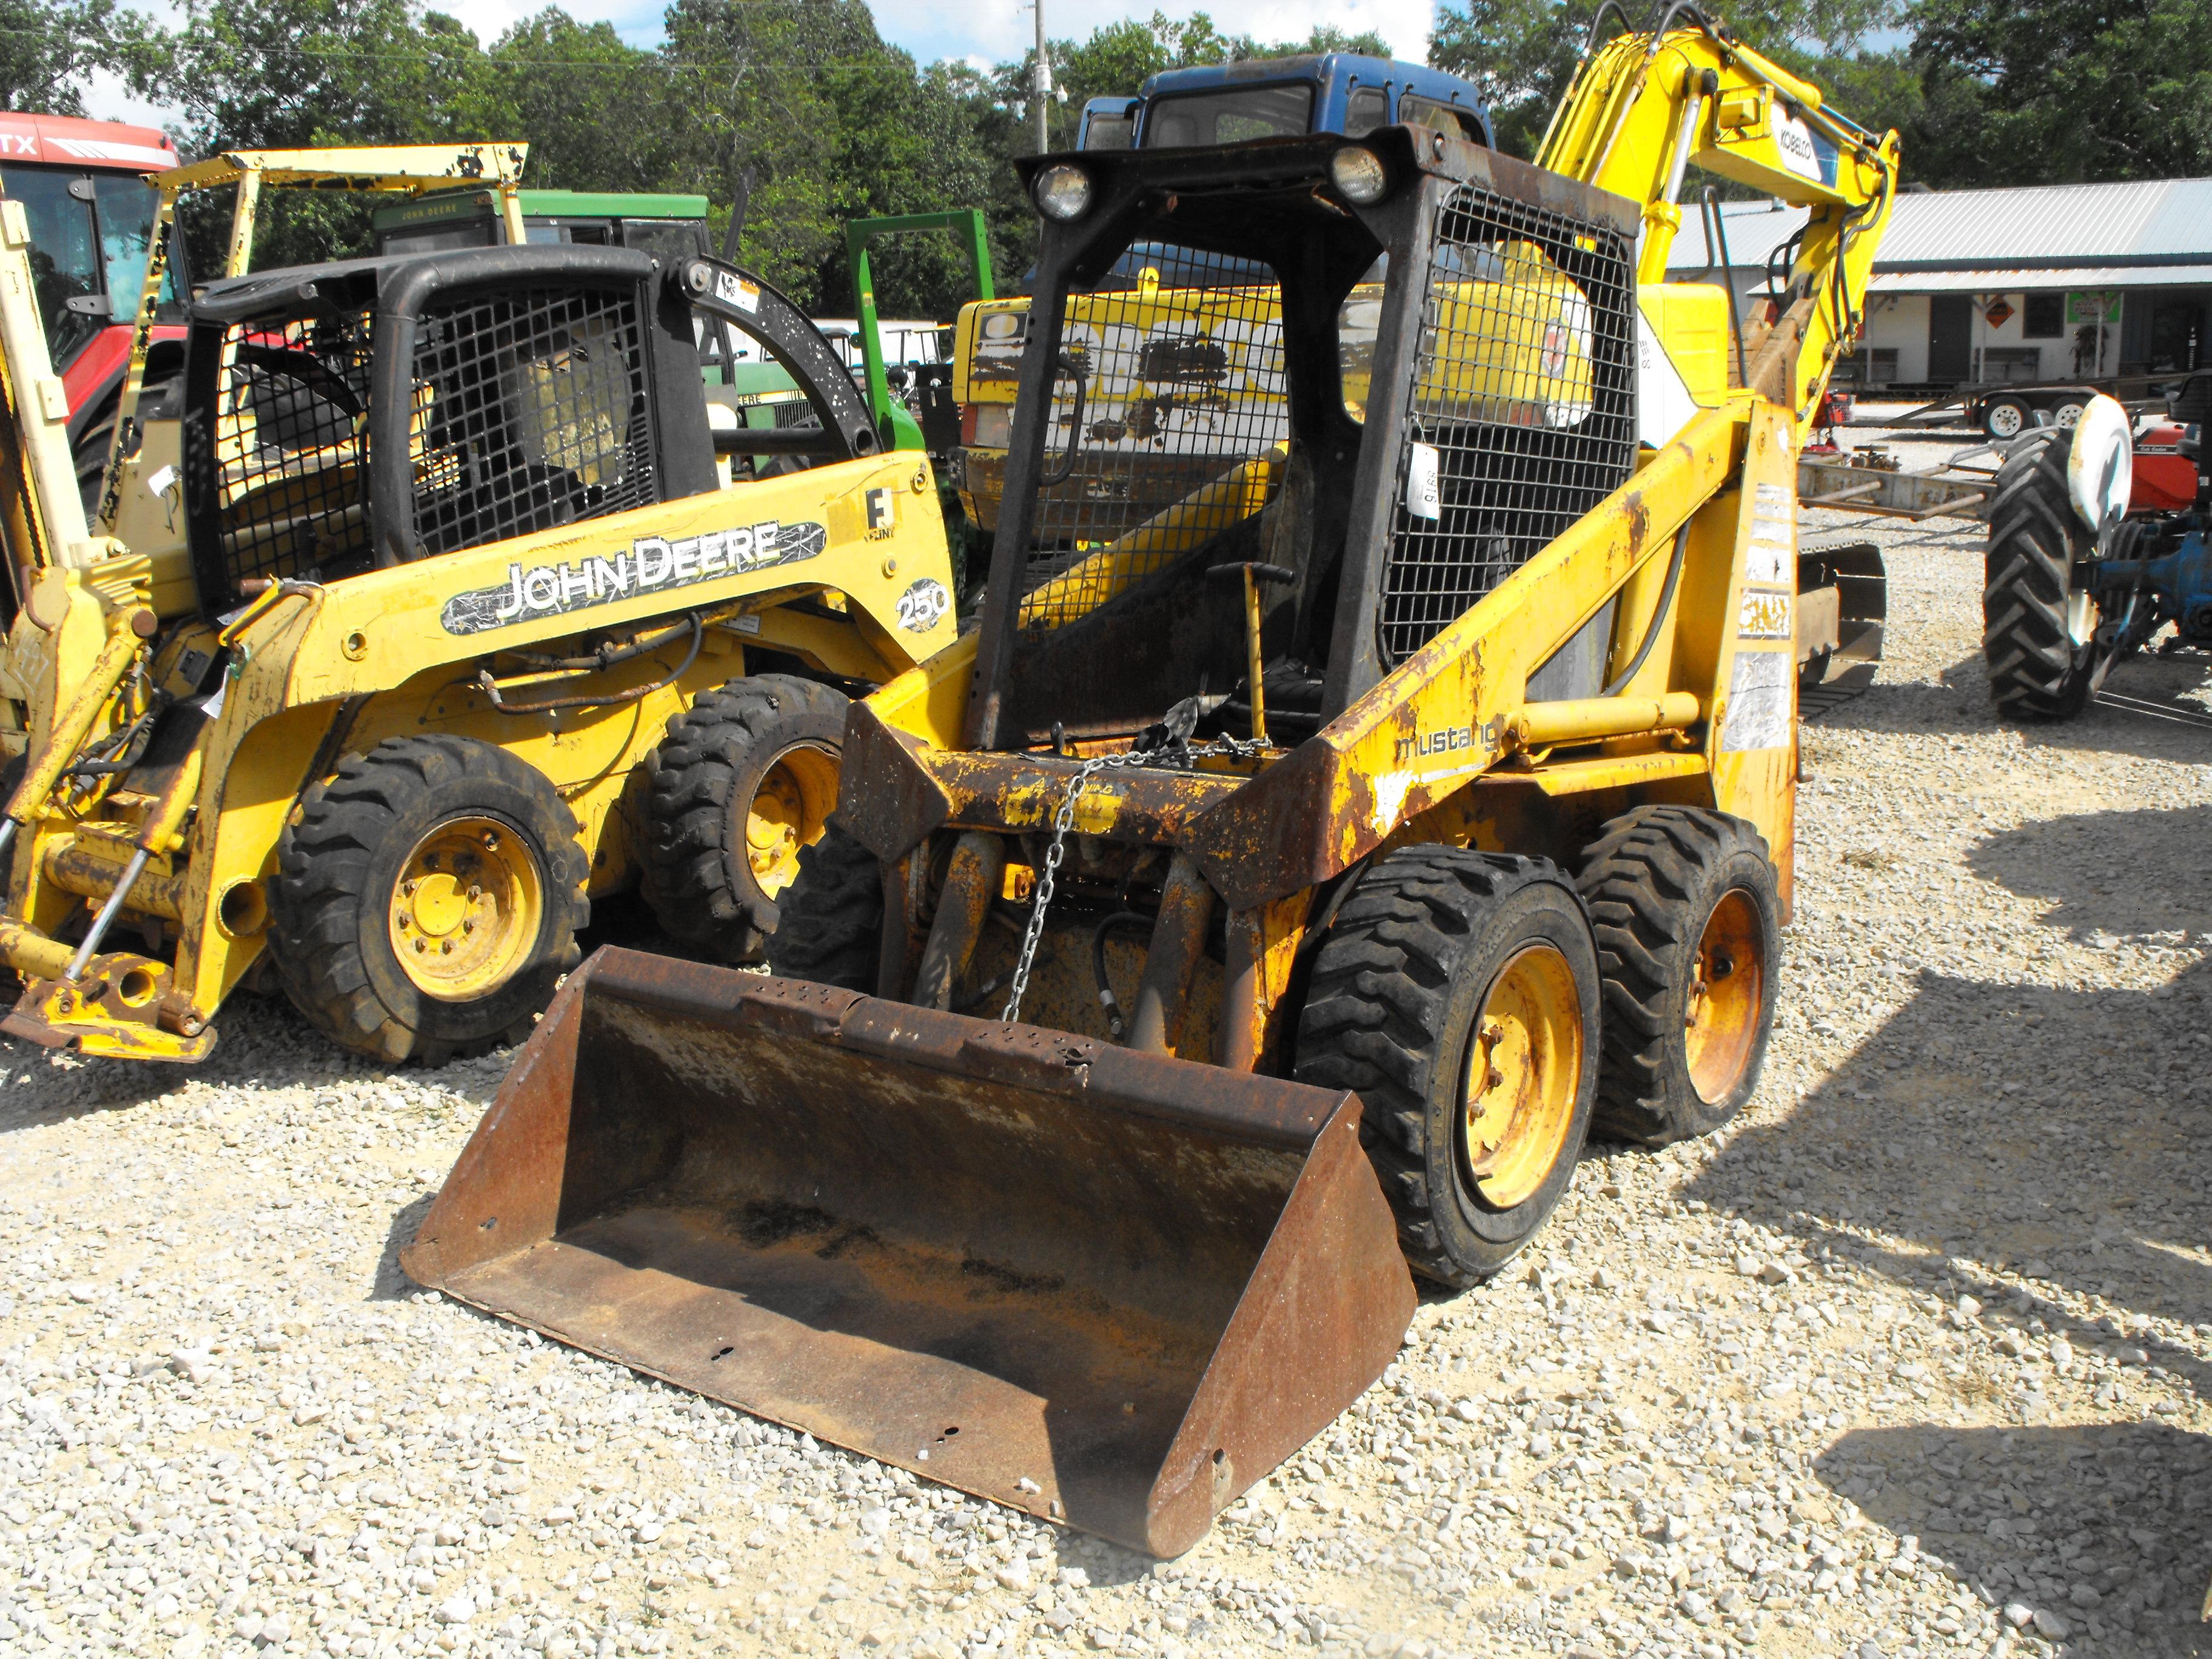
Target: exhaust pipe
(1109,1288)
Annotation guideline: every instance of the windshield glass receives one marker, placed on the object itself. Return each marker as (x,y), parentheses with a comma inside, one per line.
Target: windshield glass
(127,234)
(77,253)
(1228,117)
(65,264)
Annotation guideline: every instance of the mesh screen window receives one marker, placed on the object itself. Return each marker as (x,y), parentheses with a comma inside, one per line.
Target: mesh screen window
(1166,401)
(292,448)
(531,411)
(1523,416)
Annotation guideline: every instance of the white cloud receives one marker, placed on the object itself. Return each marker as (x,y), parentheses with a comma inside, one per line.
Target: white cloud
(931,29)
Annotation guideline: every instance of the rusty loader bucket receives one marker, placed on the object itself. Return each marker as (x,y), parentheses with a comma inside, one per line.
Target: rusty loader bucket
(1109,1288)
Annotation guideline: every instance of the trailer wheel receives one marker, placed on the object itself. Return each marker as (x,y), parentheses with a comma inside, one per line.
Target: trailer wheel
(742,784)
(427,899)
(2006,418)
(832,926)
(1457,993)
(1688,939)
(2066,413)
(2038,631)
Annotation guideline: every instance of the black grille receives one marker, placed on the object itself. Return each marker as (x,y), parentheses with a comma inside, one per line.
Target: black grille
(1523,416)
(1158,393)
(531,411)
(291,448)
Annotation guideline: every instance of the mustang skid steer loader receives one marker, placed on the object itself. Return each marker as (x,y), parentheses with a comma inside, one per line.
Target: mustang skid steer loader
(1420,786)
(465,624)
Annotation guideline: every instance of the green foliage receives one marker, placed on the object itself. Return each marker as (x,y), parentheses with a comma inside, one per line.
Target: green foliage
(46,48)
(1523,52)
(2047,91)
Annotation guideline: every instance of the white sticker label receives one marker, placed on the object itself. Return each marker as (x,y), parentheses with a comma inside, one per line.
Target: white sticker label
(1764,617)
(735,290)
(882,512)
(923,606)
(159,484)
(1758,703)
(1423,499)
(1795,140)
(1663,403)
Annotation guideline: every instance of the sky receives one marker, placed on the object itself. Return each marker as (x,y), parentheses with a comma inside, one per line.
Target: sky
(931,29)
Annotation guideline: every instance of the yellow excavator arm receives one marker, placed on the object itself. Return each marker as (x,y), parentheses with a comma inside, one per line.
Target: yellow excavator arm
(1643,106)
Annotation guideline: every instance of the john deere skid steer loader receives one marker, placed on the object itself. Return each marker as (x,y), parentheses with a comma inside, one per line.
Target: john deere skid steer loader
(1272,895)
(456,620)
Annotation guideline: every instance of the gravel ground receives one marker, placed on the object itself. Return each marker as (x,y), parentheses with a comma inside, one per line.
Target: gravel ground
(1911,1361)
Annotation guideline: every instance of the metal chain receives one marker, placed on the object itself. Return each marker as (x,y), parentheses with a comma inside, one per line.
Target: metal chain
(1181,755)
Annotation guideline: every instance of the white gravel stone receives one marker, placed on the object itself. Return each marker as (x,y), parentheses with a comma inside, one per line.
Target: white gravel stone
(1898,1359)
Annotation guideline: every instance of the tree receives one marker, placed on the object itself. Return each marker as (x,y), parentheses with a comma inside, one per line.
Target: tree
(46,49)
(2053,91)
(1523,52)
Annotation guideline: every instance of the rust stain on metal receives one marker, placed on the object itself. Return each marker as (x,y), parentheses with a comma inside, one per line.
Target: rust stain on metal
(1074,1280)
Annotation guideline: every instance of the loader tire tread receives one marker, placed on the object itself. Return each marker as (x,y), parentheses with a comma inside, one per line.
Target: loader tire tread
(831,931)
(1653,875)
(2036,672)
(1376,1017)
(324,910)
(696,877)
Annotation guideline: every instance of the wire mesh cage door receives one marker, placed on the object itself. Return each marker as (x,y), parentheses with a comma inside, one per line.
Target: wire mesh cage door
(1521,415)
(531,411)
(1167,407)
(291,449)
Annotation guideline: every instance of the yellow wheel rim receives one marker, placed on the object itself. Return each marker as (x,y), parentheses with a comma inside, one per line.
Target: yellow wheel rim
(1727,990)
(466,912)
(786,812)
(1524,1069)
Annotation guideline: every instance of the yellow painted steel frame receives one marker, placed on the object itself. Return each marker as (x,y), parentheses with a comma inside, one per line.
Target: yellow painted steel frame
(319,671)
(1443,750)
(1639,109)
(377,170)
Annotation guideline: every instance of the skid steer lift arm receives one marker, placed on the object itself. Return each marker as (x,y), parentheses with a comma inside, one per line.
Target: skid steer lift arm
(1643,106)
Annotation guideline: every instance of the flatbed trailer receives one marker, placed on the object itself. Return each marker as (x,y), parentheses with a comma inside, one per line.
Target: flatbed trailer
(1838,483)
(2004,410)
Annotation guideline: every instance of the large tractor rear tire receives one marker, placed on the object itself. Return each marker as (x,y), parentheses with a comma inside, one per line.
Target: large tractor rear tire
(832,924)
(1689,939)
(2038,632)
(427,899)
(1457,993)
(742,784)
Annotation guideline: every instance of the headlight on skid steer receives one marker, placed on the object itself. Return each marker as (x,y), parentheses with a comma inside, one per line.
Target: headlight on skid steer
(1062,193)
(1358,174)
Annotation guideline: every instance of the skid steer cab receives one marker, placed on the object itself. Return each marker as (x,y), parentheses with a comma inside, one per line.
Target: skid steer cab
(1267,895)
(468,623)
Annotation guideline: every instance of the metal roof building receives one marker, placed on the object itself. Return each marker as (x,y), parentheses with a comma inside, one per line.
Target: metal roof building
(2042,281)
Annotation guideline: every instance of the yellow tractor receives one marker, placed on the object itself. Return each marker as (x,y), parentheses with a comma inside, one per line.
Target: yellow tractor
(445,616)
(1271,895)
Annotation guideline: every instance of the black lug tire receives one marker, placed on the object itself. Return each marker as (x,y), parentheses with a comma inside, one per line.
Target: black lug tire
(1396,986)
(699,782)
(833,916)
(2035,671)
(1652,880)
(330,903)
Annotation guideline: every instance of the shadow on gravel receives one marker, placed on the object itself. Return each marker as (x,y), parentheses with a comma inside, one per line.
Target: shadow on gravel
(392,1281)
(2084,868)
(2060,1133)
(2028,1515)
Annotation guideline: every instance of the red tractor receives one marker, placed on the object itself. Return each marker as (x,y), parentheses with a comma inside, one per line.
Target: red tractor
(84,188)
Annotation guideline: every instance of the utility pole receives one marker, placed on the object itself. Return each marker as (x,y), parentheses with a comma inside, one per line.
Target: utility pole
(1040,78)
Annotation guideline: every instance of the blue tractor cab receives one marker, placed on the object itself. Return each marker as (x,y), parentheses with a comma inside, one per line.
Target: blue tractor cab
(1270,97)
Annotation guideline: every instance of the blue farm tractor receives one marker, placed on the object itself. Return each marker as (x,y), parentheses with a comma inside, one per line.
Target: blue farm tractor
(2097,544)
